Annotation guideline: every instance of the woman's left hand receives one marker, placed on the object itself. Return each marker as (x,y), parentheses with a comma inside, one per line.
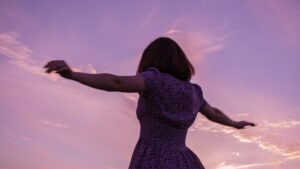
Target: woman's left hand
(60,67)
(243,124)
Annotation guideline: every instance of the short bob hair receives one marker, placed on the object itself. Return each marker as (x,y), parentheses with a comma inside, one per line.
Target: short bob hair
(166,55)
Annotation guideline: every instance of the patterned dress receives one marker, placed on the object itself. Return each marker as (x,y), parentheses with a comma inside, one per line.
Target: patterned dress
(166,109)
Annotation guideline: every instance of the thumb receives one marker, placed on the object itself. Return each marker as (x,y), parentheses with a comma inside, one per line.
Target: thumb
(251,124)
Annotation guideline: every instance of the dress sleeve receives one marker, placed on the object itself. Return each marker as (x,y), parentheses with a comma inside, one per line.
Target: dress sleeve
(203,102)
(150,80)
(202,105)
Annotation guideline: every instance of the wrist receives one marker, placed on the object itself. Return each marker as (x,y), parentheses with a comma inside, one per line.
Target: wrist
(233,124)
(72,75)
(68,75)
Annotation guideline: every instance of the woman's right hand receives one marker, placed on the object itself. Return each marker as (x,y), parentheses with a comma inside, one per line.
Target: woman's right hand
(242,124)
(60,67)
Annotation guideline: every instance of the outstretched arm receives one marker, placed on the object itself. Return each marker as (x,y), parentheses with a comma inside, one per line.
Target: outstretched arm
(216,115)
(102,81)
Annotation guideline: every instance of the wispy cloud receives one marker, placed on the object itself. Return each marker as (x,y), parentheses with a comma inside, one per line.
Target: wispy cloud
(18,137)
(53,124)
(172,31)
(283,124)
(85,68)
(259,136)
(22,56)
(150,15)
(199,44)
(11,47)
(244,166)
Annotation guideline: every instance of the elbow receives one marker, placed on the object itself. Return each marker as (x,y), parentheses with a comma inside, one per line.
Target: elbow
(207,115)
(211,118)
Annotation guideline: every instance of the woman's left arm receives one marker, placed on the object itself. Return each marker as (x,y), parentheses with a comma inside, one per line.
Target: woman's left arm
(216,115)
(102,81)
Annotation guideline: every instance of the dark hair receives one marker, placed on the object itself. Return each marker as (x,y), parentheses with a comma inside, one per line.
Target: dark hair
(166,55)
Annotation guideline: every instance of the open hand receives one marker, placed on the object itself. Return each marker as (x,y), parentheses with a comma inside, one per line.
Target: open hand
(242,124)
(60,67)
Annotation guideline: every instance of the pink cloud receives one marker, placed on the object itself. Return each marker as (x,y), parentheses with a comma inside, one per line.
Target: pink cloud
(245,166)
(54,124)
(18,137)
(88,68)
(150,15)
(282,124)
(198,44)
(22,56)
(259,136)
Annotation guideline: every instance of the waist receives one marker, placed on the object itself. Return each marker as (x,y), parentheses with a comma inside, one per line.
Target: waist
(174,145)
(163,138)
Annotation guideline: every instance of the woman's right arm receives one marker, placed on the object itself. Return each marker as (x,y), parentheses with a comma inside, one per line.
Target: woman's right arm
(102,81)
(216,115)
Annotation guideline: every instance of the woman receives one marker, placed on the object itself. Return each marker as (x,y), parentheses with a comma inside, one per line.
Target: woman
(167,106)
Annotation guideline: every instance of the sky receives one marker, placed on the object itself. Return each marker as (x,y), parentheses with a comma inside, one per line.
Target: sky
(246,55)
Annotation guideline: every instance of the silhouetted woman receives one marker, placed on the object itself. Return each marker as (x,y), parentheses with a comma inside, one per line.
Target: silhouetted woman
(167,106)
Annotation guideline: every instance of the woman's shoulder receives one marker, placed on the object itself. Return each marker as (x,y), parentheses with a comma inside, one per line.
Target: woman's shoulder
(197,87)
(163,78)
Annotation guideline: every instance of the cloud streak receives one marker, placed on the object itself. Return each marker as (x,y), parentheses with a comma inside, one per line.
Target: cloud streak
(199,44)
(18,137)
(244,166)
(22,56)
(53,124)
(263,139)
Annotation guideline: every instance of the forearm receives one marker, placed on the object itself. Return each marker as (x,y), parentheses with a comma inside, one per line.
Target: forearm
(102,81)
(219,117)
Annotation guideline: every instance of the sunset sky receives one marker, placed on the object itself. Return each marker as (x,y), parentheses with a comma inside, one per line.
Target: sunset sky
(247,60)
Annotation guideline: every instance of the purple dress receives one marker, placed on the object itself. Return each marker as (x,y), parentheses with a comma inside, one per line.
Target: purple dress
(166,109)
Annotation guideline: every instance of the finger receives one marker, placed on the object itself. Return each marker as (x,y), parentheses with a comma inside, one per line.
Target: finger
(48,64)
(247,123)
(51,64)
(56,66)
(62,69)
(51,68)
(55,62)
(252,124)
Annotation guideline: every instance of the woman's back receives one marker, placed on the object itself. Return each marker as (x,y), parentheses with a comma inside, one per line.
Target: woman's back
(166,109)
(167,106)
